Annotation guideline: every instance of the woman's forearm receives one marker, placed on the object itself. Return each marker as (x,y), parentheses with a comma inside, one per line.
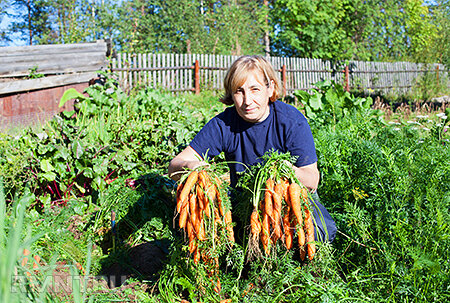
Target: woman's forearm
(188,158)
(308,175)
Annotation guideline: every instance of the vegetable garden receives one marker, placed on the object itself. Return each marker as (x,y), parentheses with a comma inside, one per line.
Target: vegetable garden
(88,213)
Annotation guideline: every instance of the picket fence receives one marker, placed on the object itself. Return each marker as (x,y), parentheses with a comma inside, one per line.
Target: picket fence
(194,72)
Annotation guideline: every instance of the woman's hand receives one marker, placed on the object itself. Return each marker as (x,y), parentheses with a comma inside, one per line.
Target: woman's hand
(308,175)
(188,158)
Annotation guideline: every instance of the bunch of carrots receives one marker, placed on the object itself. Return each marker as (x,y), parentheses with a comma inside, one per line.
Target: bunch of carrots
(205,217)
(281,207)
(282,212)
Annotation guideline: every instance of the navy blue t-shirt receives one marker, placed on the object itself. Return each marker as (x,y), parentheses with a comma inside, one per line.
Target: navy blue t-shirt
(285,129)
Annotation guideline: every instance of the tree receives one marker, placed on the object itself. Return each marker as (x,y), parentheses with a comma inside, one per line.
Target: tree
(31,19)
(309,28)
(3,34)
(59,21)
(197,26)
(440,46)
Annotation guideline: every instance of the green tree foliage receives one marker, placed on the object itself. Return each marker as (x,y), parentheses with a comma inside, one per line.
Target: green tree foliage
(60,21)
(31,20)
(217,27)
(373,30)
(308,28)
(3,35)
(441,18)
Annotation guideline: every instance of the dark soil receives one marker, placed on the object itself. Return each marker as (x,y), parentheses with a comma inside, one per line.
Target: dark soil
(141,261)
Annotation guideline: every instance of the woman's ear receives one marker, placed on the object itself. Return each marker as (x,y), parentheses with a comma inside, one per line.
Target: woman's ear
(271,89)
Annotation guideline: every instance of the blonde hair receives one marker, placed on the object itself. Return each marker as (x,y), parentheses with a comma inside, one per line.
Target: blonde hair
(239,70)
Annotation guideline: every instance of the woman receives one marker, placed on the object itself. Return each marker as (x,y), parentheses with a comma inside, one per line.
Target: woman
(256,124)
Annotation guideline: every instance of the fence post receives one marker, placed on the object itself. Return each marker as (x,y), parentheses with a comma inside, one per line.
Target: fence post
(346,79)
(196,77)
(284,79)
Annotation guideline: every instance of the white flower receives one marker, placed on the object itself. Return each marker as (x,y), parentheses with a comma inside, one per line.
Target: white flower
(445,127)
(421,117)
(42,136)
(440,115)
(444,117)
(396,128)
(393,123)
(438,124)
(413,122)
(415,128)
(430,121)
(425,128)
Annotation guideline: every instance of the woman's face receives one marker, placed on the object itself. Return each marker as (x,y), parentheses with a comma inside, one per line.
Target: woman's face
(252,98)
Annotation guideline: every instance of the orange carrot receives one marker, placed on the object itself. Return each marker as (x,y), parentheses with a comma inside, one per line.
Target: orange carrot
(255,225)
(193,207)
(190,182)
(268,197)
(206,208)
(288,237)
(190,229)
(304,194)
(265,233)
(211,196)
(302,253)
(192,245)
(196,255)
(201,233)
(197,226)
(200,196)
(294,197)
(277,197)
(26,252)
(229,225)
(217,287)
(301,237)
(202,181)
(36,262)
(309,227)
(183,214)
(276,215)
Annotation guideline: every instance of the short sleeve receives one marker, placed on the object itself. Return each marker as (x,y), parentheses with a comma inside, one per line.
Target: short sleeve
(209,140)
(300,143)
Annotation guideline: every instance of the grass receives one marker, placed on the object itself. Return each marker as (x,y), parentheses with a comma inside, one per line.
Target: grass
(386,185)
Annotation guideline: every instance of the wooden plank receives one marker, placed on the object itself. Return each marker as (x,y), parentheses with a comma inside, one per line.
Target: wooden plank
(49,49)
(172,72)
(154,74)
(119,65)
(190,80)
(47,59)
(46,82)
(67,65)
(145,65)
(177,76)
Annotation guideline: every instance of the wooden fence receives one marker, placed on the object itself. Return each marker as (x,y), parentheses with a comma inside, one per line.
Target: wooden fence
(192,72)
(33,78)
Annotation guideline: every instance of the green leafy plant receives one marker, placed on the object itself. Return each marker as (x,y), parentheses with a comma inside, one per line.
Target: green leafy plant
(329,103)
(33,74)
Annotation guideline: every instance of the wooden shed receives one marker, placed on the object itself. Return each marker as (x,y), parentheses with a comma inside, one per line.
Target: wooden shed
(33,78)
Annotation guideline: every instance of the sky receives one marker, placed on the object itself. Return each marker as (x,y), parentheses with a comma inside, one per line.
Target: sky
(4,24)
